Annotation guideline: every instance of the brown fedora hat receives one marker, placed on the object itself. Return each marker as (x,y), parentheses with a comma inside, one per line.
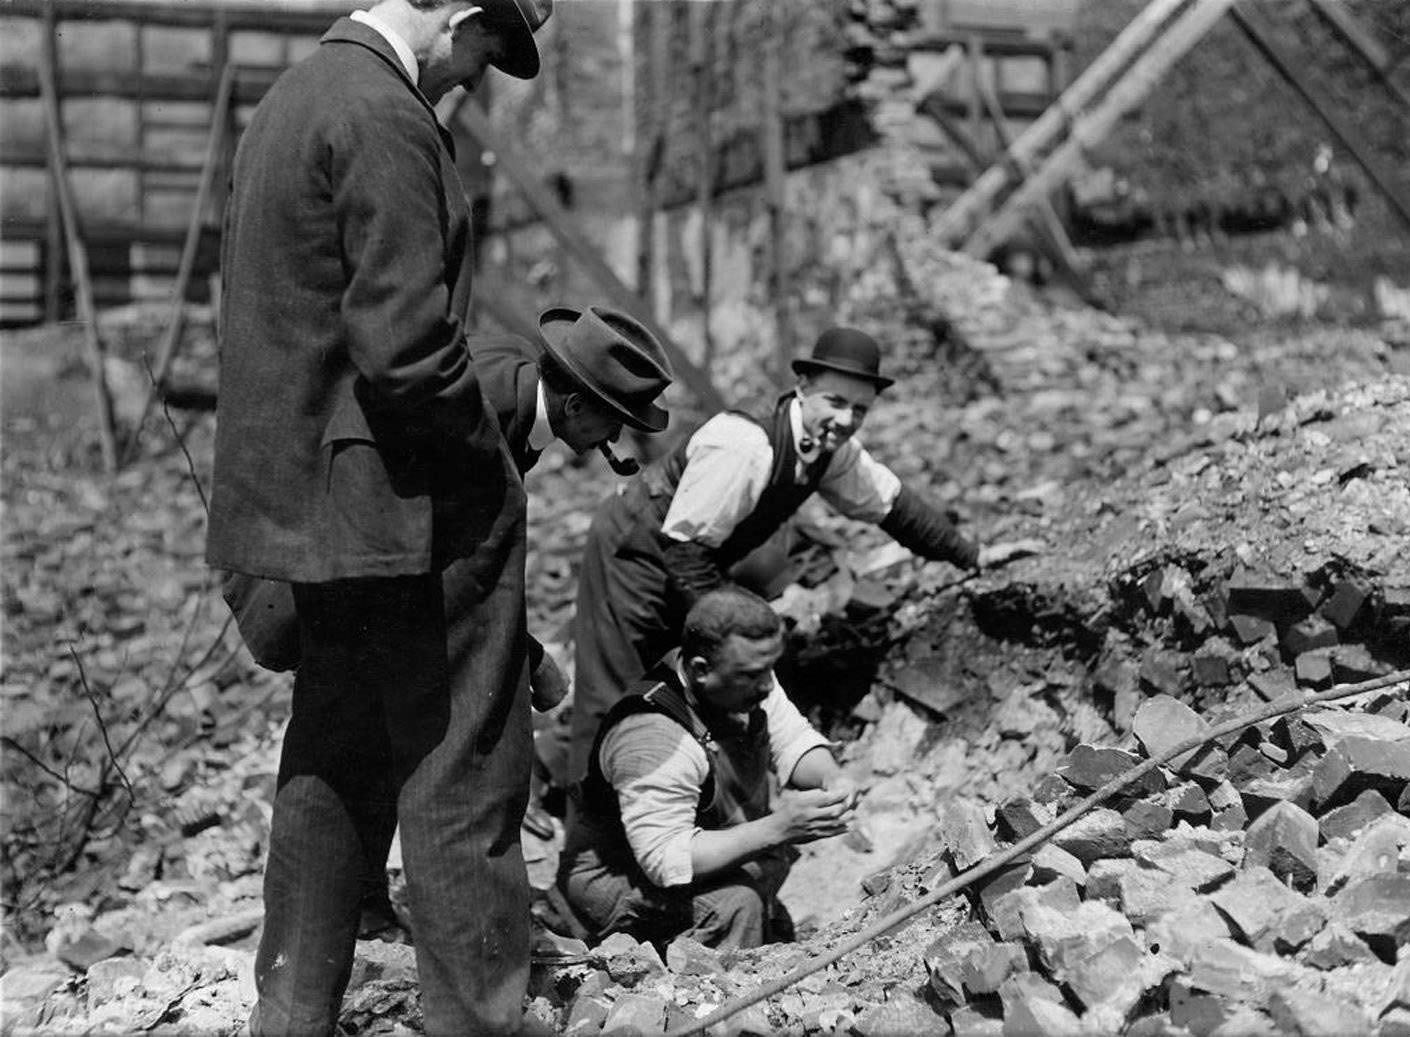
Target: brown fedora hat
(846,351)
(616,361)
(517,21)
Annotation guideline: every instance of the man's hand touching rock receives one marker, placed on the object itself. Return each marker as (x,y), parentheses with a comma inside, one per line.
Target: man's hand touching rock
(805,816)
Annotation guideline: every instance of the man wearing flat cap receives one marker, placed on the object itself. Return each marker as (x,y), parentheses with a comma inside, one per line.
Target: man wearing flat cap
(675,532)
(356,460)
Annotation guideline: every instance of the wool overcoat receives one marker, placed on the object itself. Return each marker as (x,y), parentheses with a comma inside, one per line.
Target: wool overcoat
(352,437)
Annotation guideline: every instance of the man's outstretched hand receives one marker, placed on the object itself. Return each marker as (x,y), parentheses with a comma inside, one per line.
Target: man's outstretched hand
(547,685)
(995,555)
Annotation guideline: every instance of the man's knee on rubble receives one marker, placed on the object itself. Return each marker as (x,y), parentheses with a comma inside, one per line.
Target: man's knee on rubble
(677,828)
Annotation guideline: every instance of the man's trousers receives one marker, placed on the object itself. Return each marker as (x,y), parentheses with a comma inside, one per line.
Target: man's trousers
(411,706)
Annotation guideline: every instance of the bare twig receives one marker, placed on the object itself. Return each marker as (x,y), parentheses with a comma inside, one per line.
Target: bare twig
(62,779)
(102,724)
(180,439)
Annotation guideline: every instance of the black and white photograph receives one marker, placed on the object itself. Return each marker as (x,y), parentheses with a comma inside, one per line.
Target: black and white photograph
(876,518)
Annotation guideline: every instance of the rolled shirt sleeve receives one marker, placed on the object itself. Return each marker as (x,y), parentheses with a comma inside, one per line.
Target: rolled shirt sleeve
(858,485)
(790,734)
(657,770)
(727,467)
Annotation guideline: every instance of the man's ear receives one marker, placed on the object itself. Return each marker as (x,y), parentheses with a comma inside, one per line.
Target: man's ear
(698,667)
(573,404)
(460,16)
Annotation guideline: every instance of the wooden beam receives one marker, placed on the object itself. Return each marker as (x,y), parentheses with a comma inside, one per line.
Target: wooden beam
(957,134)
(702,57)
(562,226)
(1363,41)
(171,337)
(1256,27)
(1090,128)
(78,254)
(259,15)
(16,83)
(962,216)
(775,203)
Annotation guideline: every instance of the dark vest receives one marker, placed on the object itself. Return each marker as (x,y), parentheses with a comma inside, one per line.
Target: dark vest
(782,497)
(736,789)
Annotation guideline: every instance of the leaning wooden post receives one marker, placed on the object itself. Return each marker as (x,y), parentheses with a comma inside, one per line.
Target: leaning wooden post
(1093,126)
(1256,29)
(771,139)
(702,56)
(970,207)
(171,337)
(561,225)
(78,253)
(1363,42)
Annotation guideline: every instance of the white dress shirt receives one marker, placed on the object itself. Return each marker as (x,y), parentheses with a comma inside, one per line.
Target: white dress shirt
(728,462)
(542,432)
(402,48)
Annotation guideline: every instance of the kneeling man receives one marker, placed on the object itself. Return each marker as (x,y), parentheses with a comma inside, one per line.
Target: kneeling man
(676,830)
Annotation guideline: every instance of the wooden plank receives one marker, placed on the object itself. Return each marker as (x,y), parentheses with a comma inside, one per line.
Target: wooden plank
(1089,128)
(562,226)
(171,337)
(78,254)
(775,202)
(241,14)
(962,216)
(1363,41)
(1261,34)
(105,156)
(702,56)
(250,86)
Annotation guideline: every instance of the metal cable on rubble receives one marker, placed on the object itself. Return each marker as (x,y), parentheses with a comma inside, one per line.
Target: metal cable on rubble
(1281,707)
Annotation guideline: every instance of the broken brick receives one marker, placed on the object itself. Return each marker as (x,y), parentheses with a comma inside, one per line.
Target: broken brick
(1309,634)
(1284,840)
(1346,821)
(1344,605)
(1092,766)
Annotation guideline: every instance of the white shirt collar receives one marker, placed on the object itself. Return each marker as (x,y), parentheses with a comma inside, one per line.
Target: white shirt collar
(795,421)
(542,433)
(402,48)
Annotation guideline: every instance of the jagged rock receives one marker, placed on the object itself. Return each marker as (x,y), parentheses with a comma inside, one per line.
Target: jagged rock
(1343,607)
(1314,669)
(1101,833)
(113,978)
(1051,862)
(1117,976)
(1268,915)
(1310,1014)
(1268,597)
(1334,947)
(636,1013)
(1239,973)
(1352,664)
(1163,722)
(1006,913)
(1377,909)
(627,961)
(1020,817)
(985,968)
(945,958)
(1052,791)
(1160,672)
(964,833)
(1104,878)
(994,892)
(1284,839)
(1355,764)
(1212,666)
(26,990)
(973,1021)
(904,1013)
(1378,849)
(1188,802)
(1146,819)
(1090,767)
(1185,865)
(1065,939)
(1195,1012)
(1193,922)
(1032,1005)
(1229,813)
(687,957)
(1145,894)
(1394,1023)
(1288,785)
(1273,684)
(1249,630)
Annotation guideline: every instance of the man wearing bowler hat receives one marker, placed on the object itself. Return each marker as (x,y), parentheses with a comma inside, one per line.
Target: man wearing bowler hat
(355,460)
(674,533)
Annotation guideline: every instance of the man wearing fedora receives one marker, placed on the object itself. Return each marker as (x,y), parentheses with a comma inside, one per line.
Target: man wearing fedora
(674,533)
(355,460)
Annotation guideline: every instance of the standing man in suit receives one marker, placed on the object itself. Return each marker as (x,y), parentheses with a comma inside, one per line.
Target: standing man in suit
(355,460)
(673,535)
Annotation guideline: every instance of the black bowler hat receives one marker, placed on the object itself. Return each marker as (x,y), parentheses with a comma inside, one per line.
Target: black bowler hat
(846,351)
(517,21)
(615,360)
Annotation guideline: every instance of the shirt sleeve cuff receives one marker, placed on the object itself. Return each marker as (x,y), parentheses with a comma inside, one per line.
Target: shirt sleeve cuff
(800,747)
(673,868)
